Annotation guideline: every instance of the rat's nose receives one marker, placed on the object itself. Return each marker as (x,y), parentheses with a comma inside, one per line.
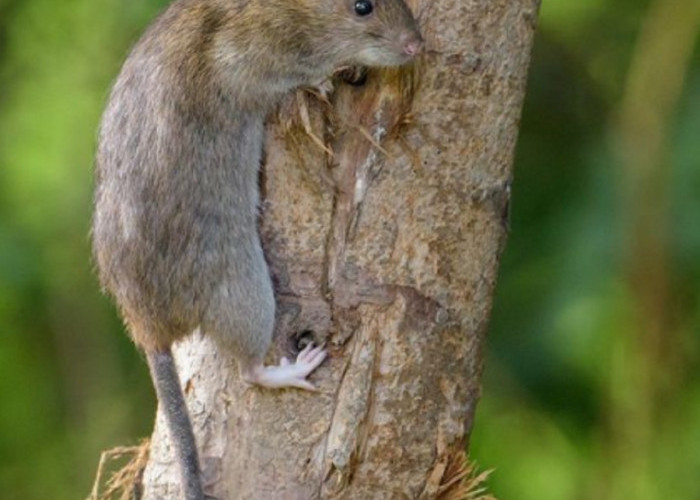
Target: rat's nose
(412,44)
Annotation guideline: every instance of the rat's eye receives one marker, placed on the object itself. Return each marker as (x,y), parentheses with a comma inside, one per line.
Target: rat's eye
(363,7)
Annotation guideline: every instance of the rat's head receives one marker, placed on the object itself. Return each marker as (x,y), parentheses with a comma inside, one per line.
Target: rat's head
(370,32)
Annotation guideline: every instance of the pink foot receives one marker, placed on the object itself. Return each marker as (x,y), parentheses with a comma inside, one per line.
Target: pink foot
(288,374)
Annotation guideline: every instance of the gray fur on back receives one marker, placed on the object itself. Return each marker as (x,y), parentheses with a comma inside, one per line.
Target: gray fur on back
(176,201)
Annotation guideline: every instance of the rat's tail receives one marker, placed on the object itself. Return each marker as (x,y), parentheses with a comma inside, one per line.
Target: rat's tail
(172,403)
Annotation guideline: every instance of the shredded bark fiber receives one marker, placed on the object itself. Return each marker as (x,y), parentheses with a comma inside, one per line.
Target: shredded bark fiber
(125,483)
(463,481)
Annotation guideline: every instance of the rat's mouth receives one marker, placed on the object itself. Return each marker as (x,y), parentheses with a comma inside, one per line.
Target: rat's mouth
(388,52)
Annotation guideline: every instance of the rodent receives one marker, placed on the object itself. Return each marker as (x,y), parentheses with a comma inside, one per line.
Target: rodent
(174,230)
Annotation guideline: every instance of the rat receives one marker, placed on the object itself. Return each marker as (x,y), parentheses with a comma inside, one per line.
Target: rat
(174,232)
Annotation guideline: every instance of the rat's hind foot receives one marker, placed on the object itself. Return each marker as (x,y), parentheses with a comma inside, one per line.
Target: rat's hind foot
(288,374)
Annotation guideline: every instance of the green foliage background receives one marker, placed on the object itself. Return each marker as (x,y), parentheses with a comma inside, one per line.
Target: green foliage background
(592,388)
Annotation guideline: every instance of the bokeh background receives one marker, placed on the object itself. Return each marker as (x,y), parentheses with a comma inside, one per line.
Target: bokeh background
(592,388)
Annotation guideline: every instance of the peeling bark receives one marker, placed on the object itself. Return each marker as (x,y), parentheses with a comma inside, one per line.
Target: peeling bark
(387,250)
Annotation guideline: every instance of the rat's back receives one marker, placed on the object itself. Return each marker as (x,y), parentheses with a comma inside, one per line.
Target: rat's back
(174,200)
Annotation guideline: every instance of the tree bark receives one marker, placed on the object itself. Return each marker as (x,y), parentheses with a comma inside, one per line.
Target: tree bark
(387,250)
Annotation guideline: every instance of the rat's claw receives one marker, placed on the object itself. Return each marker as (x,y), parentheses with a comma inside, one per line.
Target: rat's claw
(301,383)
(312,357)
(306,349)
(310,353)
(304,353)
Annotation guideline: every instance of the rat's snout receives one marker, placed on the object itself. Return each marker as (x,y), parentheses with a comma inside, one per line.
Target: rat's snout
(411,43)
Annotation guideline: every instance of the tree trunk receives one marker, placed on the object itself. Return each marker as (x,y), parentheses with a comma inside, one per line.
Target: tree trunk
(387,250)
